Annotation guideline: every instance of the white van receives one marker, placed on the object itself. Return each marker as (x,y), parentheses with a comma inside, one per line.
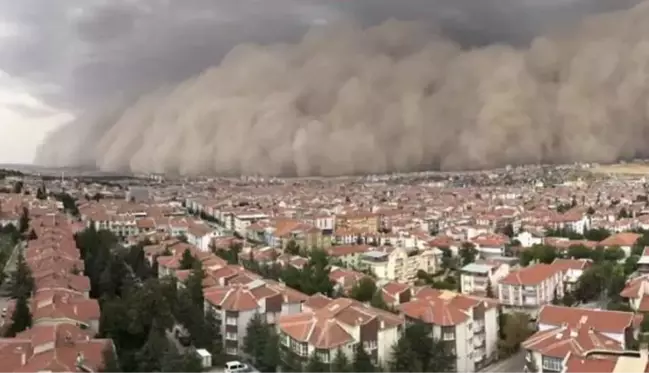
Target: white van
(235,367)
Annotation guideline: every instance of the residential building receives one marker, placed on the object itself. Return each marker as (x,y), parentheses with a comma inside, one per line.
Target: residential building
(235,304)
(623,240)
(467,325)
(399,264)
(566,330)
(530,288)
(572,270)
(327,326)
(476,277)
(602,361)
(643,262)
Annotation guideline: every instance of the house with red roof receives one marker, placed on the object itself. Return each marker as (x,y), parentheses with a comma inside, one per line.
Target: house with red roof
(564,331)
(468,325)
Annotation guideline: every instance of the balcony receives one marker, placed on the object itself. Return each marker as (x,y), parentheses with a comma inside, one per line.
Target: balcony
(478,342)
(478,327)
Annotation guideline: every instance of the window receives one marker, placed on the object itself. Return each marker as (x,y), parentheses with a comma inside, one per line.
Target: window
(231,321)
(369,345)
(231,336)
(553,364)
(323,355)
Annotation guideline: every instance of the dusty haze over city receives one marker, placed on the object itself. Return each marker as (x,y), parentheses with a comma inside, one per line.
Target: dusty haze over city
(326,88)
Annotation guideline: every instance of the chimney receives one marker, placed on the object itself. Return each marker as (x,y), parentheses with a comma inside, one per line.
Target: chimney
(23,358)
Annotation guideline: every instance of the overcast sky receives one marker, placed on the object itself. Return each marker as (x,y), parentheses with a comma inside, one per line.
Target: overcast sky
(61,57)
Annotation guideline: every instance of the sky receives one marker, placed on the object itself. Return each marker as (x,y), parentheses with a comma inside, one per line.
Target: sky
(61,58)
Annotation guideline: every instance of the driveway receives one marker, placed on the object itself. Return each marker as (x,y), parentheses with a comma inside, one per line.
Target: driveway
(514,363)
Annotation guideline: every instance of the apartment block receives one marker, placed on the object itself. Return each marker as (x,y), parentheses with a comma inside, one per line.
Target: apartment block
(467,325)
(531,287)
(476,277)
(236,304)
(575,331)
(399,264)
(327,326)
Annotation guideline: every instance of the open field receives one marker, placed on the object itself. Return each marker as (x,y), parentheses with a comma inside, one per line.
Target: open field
(622,169)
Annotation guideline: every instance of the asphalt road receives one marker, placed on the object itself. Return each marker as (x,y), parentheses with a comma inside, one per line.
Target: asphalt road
(514,363)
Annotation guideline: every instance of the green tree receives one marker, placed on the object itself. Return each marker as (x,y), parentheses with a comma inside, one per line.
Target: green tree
(194,285)
(41,192)
(568,299)
(187,260)
(516,329)
(22,280)
(404,358)
(489,290)
(363,290)
(362,361)
(270,359)
(597,234)
(23,222)
(315,364)
(432,356)
(156,346)
(614,254)
(21,318)
(18,187)
(579,252)
(292,248)
(468,253)
(254,343)
(174,361)
(340,362)
(377,301)
(631,265)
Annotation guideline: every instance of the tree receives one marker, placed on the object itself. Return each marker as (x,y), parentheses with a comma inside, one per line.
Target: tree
(315,364)
(516,329)
(21,318)
(23,222)
(340,362)
(362,361)
(211,340)
(155,347)
(377,301)
(270,359)
(174,361)
(579,252)
(187,260)
(568,299)
(468,253)
(597,234)
(490,291)
(109,360)
(363,290)
(254,343)
(404,358)
(614,254)
(194,285)
(630,265)
(292,248)
(18,187)
(22,280)
(41,192)
(432,356)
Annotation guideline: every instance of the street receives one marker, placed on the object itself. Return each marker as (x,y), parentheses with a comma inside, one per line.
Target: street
(514,363)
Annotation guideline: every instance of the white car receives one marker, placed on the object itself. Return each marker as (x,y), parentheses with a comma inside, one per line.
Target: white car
(235,367)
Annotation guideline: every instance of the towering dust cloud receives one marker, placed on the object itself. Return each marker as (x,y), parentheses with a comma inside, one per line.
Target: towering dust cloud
(394,97)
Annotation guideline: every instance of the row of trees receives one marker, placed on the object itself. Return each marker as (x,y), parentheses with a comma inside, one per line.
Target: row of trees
(541,253)
(139,311)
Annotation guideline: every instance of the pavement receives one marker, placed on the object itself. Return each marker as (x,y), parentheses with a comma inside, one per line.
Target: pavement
(514,363)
